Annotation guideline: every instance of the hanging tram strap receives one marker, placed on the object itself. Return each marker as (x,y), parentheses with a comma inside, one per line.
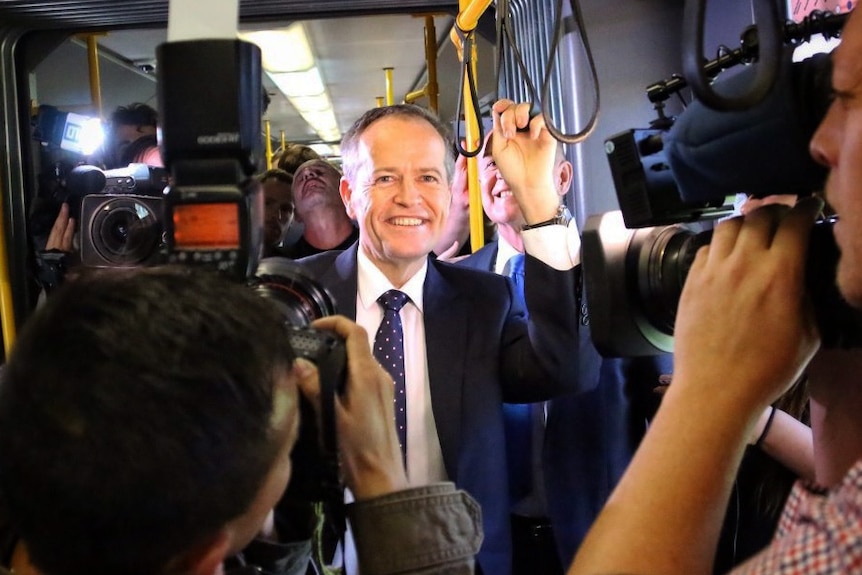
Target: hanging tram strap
(468,40)
(504,33)
(769,48)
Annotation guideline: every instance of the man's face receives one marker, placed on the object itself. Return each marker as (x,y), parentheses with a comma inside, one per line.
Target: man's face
(285,427)
(315,183)
(278,209)
(838,145)
(499,203)
(401,195)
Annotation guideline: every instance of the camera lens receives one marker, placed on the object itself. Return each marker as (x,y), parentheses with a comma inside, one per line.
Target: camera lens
(300,298)
(126,231)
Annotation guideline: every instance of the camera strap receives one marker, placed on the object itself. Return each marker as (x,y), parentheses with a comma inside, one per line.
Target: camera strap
(50,269)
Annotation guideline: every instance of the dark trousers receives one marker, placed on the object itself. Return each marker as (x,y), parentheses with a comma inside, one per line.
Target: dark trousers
(534,551)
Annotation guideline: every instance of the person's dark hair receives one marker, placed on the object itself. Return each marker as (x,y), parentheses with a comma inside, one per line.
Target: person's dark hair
(275,174)
(135,413)
(135,114)
(135,151)
(294,155)
(350,141)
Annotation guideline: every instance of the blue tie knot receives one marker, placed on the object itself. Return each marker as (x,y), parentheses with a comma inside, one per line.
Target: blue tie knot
(393,300)
(514,266)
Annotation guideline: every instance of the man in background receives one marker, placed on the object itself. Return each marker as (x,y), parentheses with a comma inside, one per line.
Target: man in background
(278,207)
(131,137)
(566,454)
(320,211)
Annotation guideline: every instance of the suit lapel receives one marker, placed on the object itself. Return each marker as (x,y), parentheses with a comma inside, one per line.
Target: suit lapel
(445,343)
(341,279)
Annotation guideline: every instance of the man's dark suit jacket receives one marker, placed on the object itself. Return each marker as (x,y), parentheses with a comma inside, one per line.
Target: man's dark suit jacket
(592,432)
(481,351)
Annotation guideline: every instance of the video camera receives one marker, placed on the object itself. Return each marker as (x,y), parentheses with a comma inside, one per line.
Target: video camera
(673,178)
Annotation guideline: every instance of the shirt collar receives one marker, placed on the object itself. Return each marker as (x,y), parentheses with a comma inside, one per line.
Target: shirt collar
(504,252)
(372,283)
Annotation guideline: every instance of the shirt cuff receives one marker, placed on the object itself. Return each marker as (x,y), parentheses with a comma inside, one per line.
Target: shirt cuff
(556,246)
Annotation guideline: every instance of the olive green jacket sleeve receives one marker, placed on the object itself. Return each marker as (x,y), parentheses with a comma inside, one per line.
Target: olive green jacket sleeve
(429,530)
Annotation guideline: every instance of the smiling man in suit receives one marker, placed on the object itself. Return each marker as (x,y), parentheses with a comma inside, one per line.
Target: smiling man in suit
(468,344)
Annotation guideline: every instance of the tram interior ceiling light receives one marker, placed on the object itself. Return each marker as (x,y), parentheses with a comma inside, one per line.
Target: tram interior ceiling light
(289,61)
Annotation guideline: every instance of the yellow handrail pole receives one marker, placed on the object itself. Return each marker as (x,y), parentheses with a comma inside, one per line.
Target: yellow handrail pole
(95,75)
(379,100)
(390,91)
(431,61)
(466,21)
(268,136)
(431,87)
(7,310)
(283,141)
(477,221)
(468,17)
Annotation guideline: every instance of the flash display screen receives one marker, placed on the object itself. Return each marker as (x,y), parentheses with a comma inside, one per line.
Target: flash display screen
(206,226)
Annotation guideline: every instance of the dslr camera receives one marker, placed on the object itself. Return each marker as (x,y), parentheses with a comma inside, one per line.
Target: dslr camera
(213,207)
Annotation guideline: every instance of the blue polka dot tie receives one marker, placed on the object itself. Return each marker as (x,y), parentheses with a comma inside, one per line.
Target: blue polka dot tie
(389,351)
(514,268)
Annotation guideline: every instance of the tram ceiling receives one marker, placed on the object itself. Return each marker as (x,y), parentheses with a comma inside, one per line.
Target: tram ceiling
(353,42)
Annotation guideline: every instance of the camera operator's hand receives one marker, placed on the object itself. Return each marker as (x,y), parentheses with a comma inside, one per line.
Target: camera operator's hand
(744,325)
(526,159)
(62,231)
(368,444)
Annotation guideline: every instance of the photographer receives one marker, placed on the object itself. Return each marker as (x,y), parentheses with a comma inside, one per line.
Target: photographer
(747,287)
(147,429)
(131,137)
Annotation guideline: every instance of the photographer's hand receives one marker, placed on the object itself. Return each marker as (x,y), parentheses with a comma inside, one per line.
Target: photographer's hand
(370,455)
(62,231)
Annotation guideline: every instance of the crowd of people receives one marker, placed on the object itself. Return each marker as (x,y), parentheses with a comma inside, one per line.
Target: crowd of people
(148,415)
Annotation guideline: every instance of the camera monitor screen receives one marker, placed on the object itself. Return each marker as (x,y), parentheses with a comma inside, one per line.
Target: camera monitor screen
(206,226)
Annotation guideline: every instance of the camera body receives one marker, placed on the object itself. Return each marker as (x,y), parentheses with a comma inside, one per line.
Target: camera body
(121,224)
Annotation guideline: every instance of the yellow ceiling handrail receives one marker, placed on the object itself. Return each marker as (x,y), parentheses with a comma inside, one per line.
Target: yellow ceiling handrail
(268,140)
(7,310)
(390,91)
(431,89)
(465,22)
(95,73)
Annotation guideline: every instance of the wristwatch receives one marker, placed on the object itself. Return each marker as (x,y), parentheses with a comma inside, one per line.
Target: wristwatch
(562,218)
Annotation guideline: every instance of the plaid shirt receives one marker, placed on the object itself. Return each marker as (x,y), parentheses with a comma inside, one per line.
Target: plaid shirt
(819,532)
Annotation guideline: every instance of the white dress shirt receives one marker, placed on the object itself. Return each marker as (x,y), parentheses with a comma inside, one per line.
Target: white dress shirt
(424,456)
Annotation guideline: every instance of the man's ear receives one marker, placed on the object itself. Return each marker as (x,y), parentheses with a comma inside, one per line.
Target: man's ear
(564,177)
(205,558)
(346,194)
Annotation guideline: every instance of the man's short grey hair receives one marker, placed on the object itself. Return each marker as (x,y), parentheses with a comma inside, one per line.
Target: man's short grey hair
(350,161)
